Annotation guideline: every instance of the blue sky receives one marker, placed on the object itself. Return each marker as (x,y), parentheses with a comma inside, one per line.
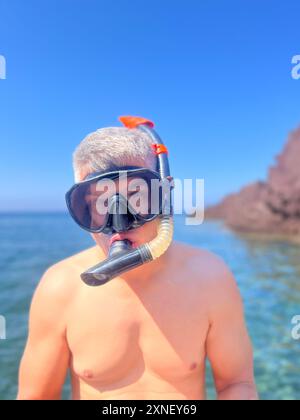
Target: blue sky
(215,76)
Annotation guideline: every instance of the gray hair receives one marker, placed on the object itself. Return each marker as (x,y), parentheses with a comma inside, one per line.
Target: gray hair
(112,147)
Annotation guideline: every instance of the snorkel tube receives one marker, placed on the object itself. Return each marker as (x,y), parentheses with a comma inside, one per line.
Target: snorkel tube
(122,257)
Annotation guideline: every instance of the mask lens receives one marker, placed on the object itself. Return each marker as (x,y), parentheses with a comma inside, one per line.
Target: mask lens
(89,203)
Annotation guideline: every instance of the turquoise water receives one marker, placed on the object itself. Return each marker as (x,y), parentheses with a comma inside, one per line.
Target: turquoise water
(268,274)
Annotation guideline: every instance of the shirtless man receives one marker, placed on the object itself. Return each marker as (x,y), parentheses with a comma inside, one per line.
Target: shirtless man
(147,333)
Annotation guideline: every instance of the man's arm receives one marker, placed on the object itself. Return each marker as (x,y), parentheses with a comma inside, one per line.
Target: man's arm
(228,345)
(45,361)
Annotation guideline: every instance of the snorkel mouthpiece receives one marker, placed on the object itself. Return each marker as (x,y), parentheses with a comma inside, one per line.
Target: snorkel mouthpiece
(122,257)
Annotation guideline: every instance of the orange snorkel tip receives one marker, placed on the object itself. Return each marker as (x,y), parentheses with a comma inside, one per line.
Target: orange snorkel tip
(133,122)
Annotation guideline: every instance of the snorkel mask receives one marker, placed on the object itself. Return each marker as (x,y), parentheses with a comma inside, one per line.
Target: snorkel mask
(97,210)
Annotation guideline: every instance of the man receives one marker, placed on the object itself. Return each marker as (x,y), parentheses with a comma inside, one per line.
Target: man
(146,333)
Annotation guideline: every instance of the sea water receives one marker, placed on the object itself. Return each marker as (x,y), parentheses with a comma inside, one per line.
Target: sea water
(267,272)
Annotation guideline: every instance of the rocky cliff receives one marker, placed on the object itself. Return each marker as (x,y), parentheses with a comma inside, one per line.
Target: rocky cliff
(272,206)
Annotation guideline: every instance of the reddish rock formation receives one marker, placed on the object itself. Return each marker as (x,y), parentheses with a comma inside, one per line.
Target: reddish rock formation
(268,207)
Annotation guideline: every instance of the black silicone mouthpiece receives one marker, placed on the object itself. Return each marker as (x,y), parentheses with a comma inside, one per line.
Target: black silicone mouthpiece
(121,258)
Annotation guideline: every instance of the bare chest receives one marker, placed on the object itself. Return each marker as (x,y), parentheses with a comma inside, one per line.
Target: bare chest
(115,335)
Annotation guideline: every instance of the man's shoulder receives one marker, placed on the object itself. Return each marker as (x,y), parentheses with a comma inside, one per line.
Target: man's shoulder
(62,279)
(203,259)
(204,266)
(209,278)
